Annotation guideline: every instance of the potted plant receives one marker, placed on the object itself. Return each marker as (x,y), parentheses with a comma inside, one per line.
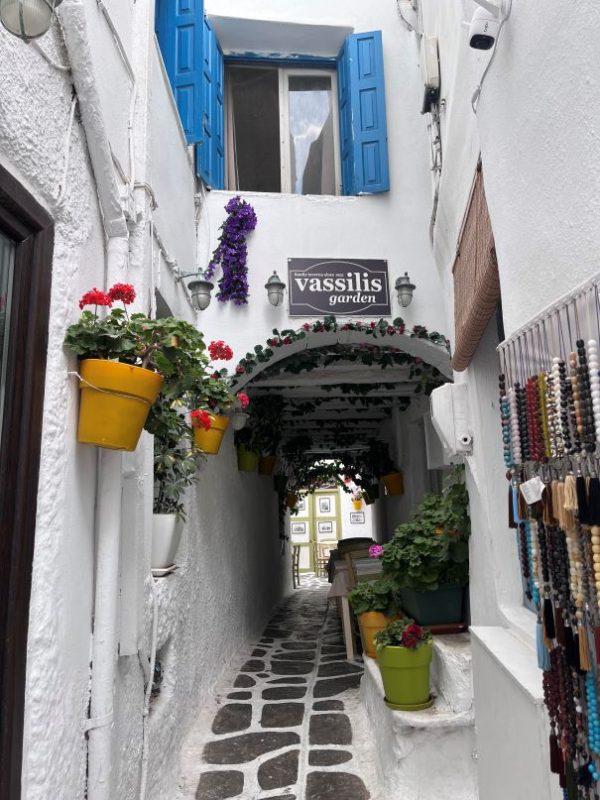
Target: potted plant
(404,652)
(378,463)
(266,421)
(373,603)
(125,361)
(175,469)
(357,499)
(213,402)
(429,568)
(247,457)
(239,415)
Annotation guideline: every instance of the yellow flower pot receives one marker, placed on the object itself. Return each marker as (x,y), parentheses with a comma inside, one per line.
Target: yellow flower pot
(394,483)
(115,402)
(357,504)
(209,442)
(369,624)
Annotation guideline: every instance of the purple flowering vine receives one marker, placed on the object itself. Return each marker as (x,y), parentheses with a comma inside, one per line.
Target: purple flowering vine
(232,252)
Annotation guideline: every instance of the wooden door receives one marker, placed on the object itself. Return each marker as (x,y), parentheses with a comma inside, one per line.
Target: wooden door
(26,244)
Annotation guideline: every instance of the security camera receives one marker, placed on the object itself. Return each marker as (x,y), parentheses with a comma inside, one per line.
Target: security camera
(486,23)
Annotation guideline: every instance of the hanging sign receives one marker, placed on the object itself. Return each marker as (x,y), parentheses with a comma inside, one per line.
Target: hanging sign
(338,286)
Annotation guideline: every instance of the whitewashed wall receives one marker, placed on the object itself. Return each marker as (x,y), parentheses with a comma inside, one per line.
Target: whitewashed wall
(537,135)
(231,568)
(392,226)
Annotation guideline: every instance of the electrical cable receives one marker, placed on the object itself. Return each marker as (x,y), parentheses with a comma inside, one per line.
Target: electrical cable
(148,695)
(63,183)
(477,93)
(403,18)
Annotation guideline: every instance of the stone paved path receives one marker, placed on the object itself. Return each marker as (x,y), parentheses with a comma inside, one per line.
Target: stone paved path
(289,726)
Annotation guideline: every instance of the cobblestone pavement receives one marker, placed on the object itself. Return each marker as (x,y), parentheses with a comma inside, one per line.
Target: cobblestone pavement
(286,725)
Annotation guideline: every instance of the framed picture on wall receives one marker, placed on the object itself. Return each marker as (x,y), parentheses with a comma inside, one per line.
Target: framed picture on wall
(302,507)
(357,517)
(325,527)
(324,505)
(299,528)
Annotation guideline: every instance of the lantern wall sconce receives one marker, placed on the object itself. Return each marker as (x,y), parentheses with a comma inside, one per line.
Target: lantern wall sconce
(275,288)
(404,290)
(27,19)
(200,289)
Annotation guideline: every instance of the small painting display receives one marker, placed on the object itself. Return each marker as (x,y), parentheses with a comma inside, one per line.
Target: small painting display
(325,527)
(324,505)
(299,528)
(357,517)
(302,507)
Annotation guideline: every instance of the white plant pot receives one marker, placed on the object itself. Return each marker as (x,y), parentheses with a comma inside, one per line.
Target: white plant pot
(239,420)
(166,535)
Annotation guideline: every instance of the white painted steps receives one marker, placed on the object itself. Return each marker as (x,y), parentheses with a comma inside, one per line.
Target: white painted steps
(427,755)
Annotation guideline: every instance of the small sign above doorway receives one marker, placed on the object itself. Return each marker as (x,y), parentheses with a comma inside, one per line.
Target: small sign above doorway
(338,286)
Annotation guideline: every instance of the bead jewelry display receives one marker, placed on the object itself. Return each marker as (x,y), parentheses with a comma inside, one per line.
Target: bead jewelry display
(550,421)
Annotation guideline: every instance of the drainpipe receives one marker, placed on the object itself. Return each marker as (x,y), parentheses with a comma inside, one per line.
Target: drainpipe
(110,466)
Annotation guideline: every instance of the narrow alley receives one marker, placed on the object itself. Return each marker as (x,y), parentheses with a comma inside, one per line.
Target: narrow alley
(289,724)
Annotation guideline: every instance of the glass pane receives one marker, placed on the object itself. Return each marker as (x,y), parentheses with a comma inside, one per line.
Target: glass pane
(255,128)
(311,134)
(7,261)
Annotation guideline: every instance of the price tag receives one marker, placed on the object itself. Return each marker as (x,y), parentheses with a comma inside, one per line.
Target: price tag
(532,490)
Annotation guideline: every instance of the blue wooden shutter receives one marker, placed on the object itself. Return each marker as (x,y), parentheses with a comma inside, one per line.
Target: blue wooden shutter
(179,31)
(363,126)
(210,150)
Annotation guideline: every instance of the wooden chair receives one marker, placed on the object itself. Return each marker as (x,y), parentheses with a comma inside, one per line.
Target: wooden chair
(321,555)
(350,558)
(296,566)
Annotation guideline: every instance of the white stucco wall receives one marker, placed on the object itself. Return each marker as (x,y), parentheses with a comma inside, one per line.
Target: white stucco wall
(537,135)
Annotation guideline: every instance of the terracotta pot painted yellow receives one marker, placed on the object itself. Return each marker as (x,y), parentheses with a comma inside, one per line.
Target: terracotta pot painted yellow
(266,465)
(115,401)
(357,504)
(209,442)
(371,623)
(247,460)
(394,483)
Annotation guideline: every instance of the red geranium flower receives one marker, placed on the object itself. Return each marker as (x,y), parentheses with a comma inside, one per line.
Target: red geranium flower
(239,370)
(95,298)
(123,292)
(306,326)
(201,419)
(219,351)
(244,400)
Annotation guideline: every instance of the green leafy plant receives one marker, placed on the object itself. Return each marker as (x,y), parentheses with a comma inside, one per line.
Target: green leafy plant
(266,423)
(175,460)
(373,596)
(402,633)
(432,549)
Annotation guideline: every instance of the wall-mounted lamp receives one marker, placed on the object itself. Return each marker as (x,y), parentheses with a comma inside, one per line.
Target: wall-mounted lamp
(275,288)
(404,290)
(27,19)
(200,289)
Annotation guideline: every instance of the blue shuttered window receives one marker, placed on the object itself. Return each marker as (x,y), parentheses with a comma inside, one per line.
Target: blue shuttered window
(363,126)
(178,23)
(210,150)
(194,64)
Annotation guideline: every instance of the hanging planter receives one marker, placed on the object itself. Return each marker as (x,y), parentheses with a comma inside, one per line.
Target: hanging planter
(394,483)
(166,535)
(292,500)
(404,653)
(357,504)
(266,465)
(115,402)
(372,491)
(247,460)
(239,420)
(209,439)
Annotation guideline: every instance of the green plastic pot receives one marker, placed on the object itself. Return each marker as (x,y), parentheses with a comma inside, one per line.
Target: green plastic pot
(247,460)
(443,606)
(405,675)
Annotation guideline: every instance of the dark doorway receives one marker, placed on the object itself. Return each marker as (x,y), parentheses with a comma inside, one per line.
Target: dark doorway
(26,245)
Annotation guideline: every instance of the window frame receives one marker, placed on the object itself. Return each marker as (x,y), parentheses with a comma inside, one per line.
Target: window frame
(285,166)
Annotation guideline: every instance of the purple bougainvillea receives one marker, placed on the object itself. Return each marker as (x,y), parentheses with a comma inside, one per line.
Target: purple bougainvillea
(232,252)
